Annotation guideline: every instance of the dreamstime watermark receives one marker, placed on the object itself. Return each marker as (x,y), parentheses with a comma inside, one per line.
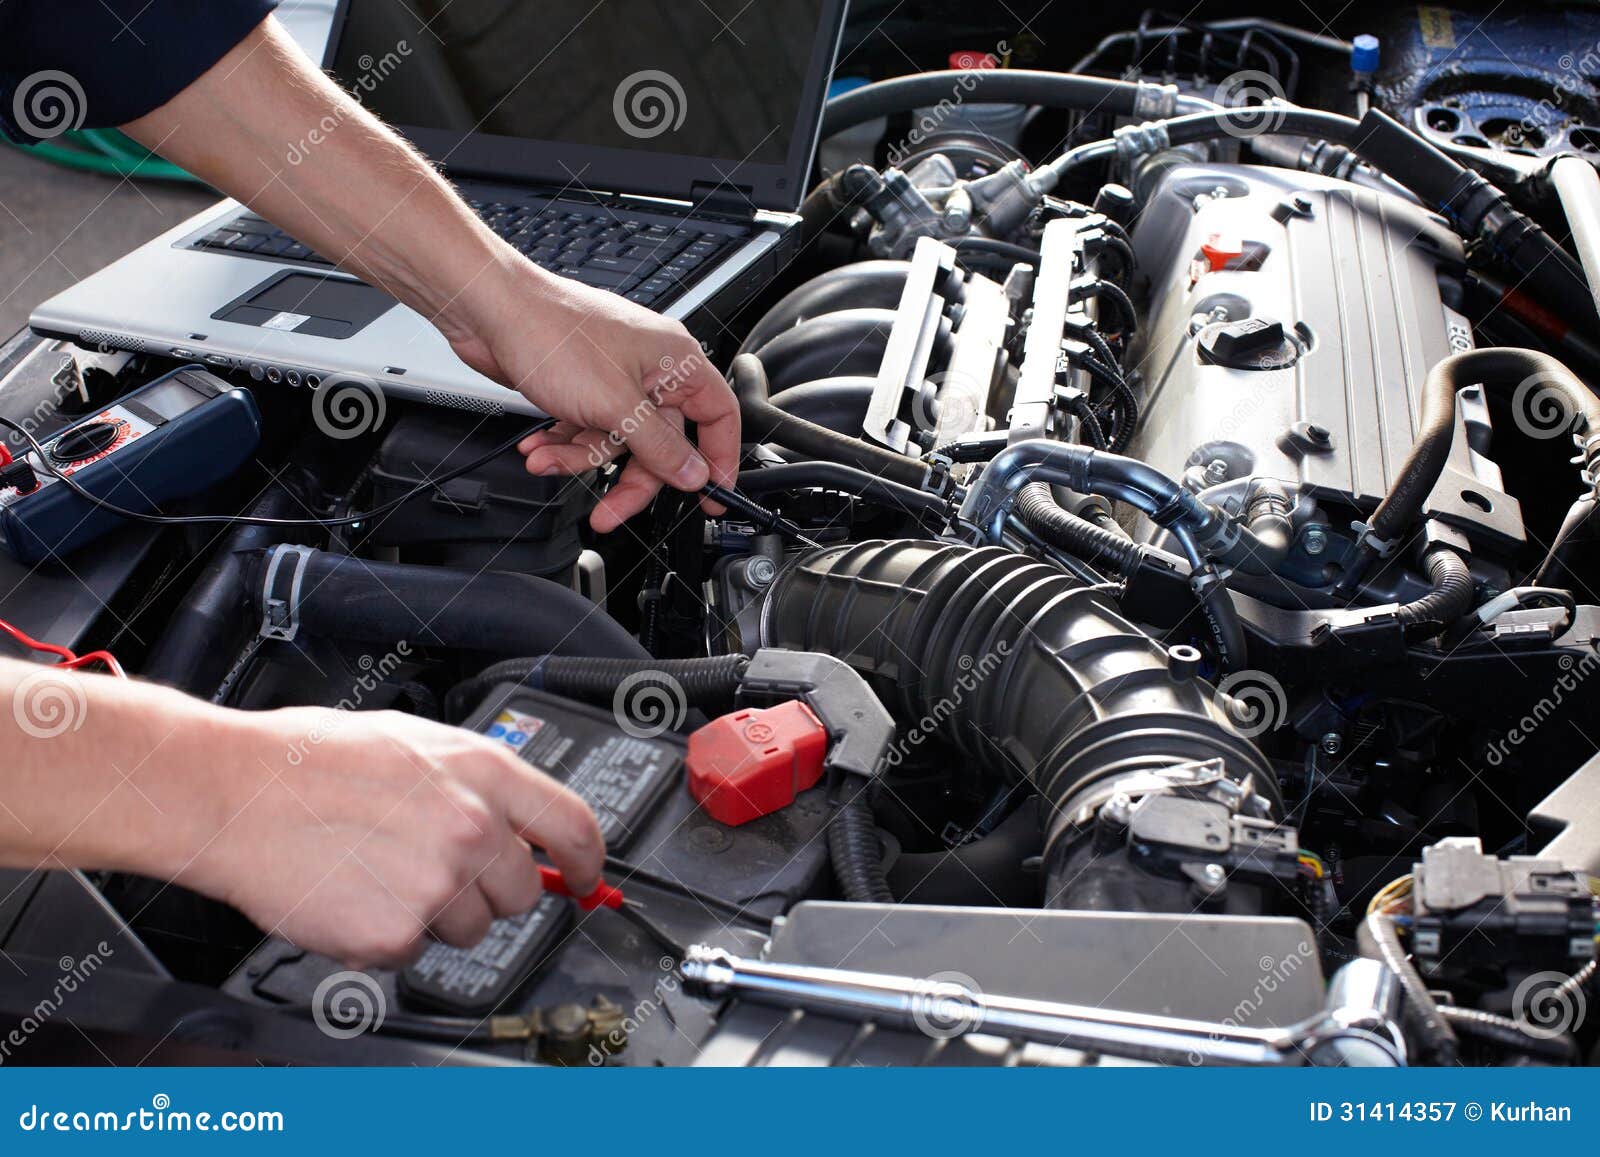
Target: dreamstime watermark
(648,103)
(1572,85)
(160,1117)
(347,406)
(75,973)
(1273,974)
(1257,103)
(947,1005)
(49,702)
(1254,701)
(649,703)
(1548,1005)
(1573,674)
(374,674)
(971,673)
(48,104)
(374,71)
(1541,408)
(673,373)
(669,983)
(928,121)
(347,1004)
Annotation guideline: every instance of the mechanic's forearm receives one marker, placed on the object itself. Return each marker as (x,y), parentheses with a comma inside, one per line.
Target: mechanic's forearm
(266,127)
(101,773)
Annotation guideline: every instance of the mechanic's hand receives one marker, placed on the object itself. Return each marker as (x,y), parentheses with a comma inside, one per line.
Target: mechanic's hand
(365,832)
(617,375)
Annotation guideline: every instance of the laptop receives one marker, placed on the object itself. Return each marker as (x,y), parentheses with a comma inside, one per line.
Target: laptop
(659,151)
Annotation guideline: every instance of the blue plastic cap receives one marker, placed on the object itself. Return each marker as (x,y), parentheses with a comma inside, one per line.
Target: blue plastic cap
(1364,53)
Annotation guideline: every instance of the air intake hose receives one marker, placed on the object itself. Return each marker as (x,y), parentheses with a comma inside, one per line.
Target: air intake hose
(1023,668)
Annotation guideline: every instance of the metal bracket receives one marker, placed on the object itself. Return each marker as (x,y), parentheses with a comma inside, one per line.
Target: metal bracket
(280,592)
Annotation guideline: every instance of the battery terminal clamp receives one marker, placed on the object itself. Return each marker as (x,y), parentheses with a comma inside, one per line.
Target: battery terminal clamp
(803,715)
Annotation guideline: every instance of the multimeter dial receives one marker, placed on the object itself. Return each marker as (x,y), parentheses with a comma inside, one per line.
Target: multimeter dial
(84,442)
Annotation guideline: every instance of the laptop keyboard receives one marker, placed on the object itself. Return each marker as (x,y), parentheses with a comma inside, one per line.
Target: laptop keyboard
(648,257)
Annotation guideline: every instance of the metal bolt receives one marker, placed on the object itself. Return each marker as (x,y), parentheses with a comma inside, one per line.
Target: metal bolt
(760,571)
(1216,471)
(1314,540)
(1331,742)
(1213,875)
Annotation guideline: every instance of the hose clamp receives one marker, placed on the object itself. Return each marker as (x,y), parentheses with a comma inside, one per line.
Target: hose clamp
(1135,142)
(1155,101)
(1368,541)
(280,591)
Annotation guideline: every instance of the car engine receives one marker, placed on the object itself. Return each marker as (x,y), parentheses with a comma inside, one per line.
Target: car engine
(1157,623)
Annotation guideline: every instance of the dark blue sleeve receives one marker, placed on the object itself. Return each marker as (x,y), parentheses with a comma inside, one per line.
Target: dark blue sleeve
(71,64)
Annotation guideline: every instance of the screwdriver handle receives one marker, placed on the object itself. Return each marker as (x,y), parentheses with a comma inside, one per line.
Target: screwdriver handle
(603,896)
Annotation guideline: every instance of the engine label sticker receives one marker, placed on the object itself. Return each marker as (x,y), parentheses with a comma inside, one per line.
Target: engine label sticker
(285,320)
(515,729)
(1436,27)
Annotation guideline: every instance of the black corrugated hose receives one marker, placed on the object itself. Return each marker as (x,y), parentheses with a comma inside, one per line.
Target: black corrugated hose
(706,683)
(1450,598)
(1376,937)
(1042,514)
(857,854)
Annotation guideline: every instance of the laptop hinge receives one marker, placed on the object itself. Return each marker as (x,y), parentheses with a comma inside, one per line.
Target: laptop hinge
(723,198)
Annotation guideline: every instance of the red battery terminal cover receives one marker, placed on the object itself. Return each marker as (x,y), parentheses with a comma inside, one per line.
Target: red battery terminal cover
(751,763)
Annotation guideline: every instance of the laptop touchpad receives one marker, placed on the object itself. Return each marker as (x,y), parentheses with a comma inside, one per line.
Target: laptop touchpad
(308,303)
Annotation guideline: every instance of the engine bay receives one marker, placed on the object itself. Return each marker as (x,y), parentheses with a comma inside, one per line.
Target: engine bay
(1157,625)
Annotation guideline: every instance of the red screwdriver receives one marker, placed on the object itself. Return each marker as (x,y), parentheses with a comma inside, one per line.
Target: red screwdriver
(607,896)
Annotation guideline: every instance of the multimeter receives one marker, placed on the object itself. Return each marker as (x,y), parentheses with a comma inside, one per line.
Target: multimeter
(175,437)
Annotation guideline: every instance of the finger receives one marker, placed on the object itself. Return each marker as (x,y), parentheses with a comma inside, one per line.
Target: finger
(570,458)
(634,490)
(464,920)
(560,432)
(659,442)
(708,401)
(552,817)
(511,881)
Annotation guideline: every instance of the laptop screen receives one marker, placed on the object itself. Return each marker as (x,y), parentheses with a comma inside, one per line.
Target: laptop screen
(717,92)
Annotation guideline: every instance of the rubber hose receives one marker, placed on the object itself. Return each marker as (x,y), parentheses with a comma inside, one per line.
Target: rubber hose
(429,606)
(765,422)
(857,854)
(1037,508)
(982,86)
(845,479)
(1508,1033)
(205,632)
(1376,937)
(708,683)
(837,403)
(1497,368)
(977,639)
(848,343)
(1447,602)
(863,285)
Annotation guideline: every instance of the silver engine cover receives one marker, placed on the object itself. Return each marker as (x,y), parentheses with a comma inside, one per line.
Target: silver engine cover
(1359,280)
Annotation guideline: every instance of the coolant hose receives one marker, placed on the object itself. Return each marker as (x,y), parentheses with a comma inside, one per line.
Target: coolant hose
(341,597)
(837,403)
(1540,382)
(707,683)
(200,642)
(1024,669)
(822,475)
(764,422)
(1062,90)
(1376,938)
(864,285)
